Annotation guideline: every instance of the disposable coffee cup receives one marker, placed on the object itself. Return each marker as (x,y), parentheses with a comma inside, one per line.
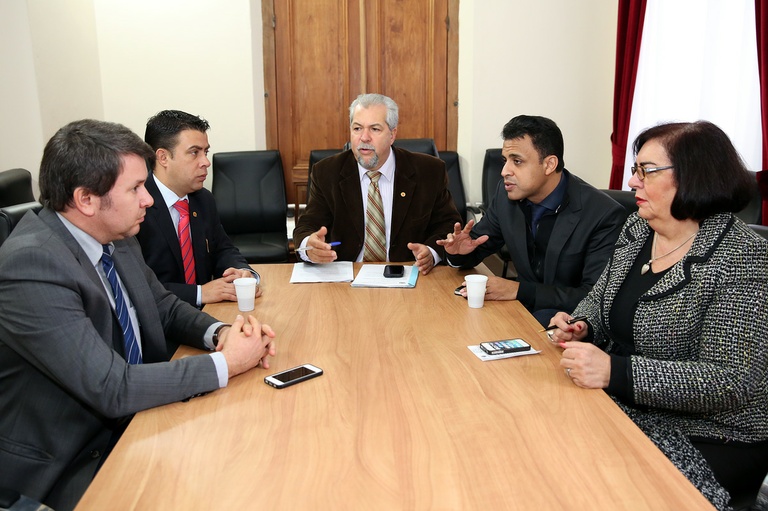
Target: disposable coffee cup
(476,290)
(245,288)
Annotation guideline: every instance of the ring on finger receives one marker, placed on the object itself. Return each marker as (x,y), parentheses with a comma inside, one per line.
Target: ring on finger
(568,373)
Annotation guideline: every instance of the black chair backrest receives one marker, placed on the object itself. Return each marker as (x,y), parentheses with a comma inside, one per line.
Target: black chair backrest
(492,165)
(762,230)
(10,216)
(249,188)
(626,198)
(417,145)
(315,155)
(15,187)
(753,212)
(455,184)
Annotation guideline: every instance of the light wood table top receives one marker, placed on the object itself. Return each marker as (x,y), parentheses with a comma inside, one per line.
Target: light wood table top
(405,417)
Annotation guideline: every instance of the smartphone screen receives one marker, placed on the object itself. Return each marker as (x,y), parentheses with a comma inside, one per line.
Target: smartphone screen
(505,346)
(291,376)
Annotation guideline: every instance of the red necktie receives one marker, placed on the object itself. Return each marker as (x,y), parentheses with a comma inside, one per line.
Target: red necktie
(185,241)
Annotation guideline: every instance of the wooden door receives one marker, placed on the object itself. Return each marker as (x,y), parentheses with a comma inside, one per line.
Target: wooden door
(320,54)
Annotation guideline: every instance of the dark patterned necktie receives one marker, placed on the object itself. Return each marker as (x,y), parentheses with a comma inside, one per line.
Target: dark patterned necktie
(132,351)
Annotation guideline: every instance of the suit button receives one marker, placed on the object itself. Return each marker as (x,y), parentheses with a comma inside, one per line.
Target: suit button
(95,454)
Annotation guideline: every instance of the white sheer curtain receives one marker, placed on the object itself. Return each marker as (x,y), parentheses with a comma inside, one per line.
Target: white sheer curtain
(698,60)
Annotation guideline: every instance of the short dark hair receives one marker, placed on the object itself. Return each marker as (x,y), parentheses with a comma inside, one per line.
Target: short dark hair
(88,154)
(164,127)
(710,175)
(545,135)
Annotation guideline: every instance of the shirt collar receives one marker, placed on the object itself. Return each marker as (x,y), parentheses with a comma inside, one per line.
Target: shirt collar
(553,201)
(387,169)
(169,196)
(88,243)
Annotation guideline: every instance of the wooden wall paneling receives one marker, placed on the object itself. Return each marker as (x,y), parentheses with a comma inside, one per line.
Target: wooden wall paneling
(407,60)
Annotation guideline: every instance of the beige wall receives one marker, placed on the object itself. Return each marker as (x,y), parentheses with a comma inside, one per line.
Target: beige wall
(122,61)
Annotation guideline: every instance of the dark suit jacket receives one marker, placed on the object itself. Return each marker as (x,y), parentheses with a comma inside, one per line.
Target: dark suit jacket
(213,250)
(422,209)
(585,230)
(64,384)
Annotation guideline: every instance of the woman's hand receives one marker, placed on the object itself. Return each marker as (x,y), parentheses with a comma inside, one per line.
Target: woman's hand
(587,365)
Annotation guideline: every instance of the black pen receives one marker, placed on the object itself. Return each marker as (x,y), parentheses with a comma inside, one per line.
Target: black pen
(569,322)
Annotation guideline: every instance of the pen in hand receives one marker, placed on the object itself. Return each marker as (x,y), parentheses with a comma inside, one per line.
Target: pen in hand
(332,244)
(569,322)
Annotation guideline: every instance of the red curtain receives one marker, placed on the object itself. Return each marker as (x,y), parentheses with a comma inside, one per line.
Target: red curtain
(628,37)
(761,16)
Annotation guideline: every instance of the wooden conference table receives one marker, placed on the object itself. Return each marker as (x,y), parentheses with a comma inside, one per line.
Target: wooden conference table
(405,417)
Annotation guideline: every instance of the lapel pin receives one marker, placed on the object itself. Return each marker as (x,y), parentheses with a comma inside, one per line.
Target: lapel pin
(194,214)
(402,194)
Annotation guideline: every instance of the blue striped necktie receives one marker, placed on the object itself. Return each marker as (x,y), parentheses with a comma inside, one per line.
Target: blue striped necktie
(132,351)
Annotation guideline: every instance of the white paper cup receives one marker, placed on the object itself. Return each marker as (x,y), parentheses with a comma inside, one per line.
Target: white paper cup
(475,290)
(245,288)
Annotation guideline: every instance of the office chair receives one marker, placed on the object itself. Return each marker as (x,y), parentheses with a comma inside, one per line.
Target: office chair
(762,230)
(455,184)
(492,165)
(15,187)
(417,145)
(10,216)
(315,155)
(624,197)
(249,188)
(752,213)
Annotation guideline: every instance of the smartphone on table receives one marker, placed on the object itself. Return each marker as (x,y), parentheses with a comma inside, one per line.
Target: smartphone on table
(394,271)
(292,376)
(504,346)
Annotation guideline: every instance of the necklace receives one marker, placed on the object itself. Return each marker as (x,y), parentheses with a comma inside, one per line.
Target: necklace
(647,266)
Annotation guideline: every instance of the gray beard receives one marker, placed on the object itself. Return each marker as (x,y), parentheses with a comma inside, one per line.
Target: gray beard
(371,165)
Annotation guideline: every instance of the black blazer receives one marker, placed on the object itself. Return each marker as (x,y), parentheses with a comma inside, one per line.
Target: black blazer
(422,210)
(582,240)
(213,250)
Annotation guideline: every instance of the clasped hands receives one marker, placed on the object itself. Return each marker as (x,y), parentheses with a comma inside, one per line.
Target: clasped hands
(587,365)
(223,289)
(246,344)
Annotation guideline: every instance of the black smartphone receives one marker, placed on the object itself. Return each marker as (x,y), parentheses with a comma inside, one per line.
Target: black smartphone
(292,376)
(505,346)
(394,271)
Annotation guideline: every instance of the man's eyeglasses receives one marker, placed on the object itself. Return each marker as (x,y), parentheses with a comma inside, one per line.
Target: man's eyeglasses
(642,171)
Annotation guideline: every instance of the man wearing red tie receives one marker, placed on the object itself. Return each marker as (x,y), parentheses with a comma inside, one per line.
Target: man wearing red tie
(182,238)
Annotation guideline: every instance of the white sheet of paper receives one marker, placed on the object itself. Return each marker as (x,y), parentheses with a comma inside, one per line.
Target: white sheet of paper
(372,275)
(479,353)
(338,271)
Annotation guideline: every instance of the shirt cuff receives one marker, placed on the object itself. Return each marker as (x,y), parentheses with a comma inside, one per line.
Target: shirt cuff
(208,335)
(303,253)
(435,257)
(199,299)
(222,369)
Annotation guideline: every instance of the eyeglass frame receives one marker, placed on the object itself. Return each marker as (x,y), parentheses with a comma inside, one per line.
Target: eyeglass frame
(642,171)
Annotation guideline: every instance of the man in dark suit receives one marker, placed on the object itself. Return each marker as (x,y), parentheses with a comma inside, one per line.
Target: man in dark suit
(558,229)
(181,165)
(411,190)
(83,320)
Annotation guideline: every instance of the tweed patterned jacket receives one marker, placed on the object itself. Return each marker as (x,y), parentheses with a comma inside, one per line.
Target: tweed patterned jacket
(700,332)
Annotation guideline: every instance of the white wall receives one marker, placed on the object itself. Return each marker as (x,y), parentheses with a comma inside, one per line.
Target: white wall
(124,60)
(553,58)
